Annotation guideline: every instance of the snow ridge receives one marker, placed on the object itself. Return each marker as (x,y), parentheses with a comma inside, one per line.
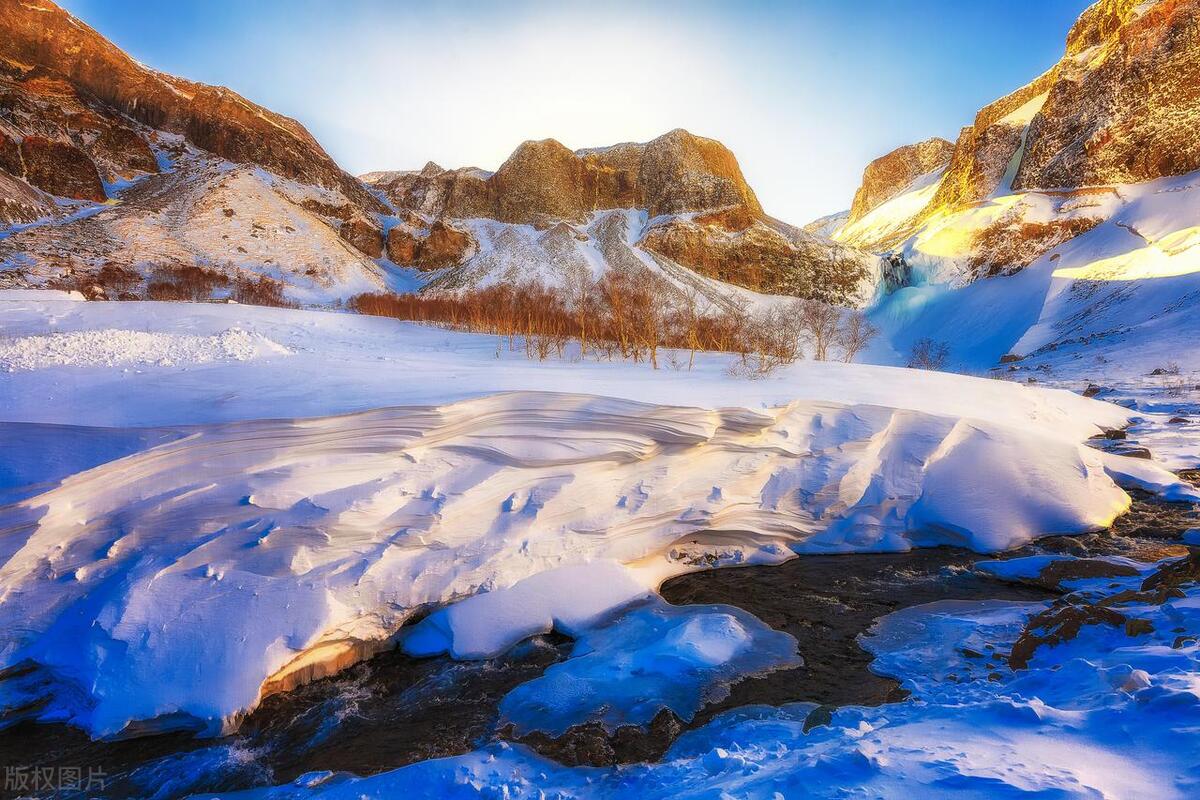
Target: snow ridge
(175,583)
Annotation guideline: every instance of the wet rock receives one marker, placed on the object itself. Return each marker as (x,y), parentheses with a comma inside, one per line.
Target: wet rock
(1138,627)
(592,745)
(1179,420)
(820,716)
(1054,574)
(1059,623)
(1170,577)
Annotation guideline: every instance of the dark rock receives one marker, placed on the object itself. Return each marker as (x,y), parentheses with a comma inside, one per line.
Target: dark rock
(592,745)
(61,169)
(363,236)
(820,716)
(1059,623)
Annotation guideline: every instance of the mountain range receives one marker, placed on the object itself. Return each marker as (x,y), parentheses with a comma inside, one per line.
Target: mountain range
(1063,214)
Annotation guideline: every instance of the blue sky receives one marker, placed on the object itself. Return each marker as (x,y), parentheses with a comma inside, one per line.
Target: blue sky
(805,93)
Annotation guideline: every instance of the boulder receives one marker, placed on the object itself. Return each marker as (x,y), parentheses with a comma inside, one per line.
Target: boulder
(363,236)
(61,169)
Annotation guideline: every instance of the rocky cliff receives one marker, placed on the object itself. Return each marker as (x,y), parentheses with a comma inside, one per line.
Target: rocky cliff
(66,82)
(694,210)
(889,175)
(1121,106)
(119,175)
(1125,103)
(544,181)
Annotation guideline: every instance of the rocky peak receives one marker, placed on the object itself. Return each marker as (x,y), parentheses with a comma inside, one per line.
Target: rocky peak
(1121,106)
(1125,106)
(543,181)
(684,172)
(888,175)
(543,178)
(43,43)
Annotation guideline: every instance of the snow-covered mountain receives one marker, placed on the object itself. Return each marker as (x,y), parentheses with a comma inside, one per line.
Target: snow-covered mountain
(107,164)
(110,171)
(677,205)
(1065,215)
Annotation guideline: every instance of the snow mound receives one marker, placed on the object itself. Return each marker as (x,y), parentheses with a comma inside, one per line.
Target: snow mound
(117,348)
(185,580)
(568,599)
(653,657)
(1107,714)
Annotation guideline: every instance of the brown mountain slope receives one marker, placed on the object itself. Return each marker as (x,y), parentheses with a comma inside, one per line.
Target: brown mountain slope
(690,208)
(890,174)
(45,49)
(1121,106)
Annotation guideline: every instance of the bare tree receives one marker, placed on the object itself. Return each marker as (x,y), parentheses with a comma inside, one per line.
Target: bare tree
(855,333)
(928,354)
(818,324)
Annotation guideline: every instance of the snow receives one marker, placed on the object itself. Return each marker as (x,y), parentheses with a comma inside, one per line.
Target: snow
(1102,715)
(285,523)
(1030,567)
(682,656)
(567,599)
(111,348)
(354,363)
(892,216)
(1108,305)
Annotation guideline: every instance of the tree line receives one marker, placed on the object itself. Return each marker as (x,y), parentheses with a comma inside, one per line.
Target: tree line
(635,317)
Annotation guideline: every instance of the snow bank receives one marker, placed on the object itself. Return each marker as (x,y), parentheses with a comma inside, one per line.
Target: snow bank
(255,541)
(354,363)
(180,579)
(653,657)
(114,348)
(569,599)
(1103,715)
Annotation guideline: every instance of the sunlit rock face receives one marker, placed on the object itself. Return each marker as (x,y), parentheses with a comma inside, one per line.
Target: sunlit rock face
(543,181)
(1036,168)
(687,206)
(1125,103)
(888,175)
(60,67)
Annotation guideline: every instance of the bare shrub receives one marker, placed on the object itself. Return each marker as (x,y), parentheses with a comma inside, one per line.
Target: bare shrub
(854,333)
(633,317)
(261,292)
(928,354)
(818,324)
(186,282)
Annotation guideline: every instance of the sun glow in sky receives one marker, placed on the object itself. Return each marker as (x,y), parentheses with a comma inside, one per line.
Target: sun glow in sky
(804,93)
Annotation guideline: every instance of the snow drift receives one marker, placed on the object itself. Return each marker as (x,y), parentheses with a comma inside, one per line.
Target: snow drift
(178,584)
